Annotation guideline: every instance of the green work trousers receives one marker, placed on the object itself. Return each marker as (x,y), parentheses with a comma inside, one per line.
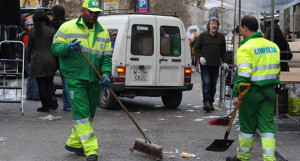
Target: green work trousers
(84,96)
(257,110)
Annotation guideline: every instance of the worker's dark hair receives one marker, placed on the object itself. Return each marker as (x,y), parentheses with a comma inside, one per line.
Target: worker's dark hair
(39,18)
(58,12)
(213,19)
(250,22)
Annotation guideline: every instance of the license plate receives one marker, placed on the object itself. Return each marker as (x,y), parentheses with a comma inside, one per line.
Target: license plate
(140,75)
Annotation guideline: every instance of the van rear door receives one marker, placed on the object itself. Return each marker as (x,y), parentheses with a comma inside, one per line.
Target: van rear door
(170,56)
(140,55)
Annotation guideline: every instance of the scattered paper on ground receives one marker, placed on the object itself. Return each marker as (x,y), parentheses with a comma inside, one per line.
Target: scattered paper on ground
(197,106)
(190,110)
(2,138)
(198,119)
(50,117)
(210,117)
(162,119)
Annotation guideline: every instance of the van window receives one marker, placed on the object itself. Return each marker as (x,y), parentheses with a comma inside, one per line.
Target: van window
(193,30)
(142,40)
(113,36)
(170,41)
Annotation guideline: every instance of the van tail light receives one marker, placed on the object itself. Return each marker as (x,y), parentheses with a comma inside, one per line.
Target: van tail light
(120,74)
(187,75)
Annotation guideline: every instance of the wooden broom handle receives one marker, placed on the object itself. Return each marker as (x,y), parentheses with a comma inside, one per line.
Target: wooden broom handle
(241,94)
(113,93)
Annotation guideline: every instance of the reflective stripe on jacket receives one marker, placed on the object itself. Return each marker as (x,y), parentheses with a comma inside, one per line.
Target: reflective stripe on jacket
(96,46)
(258,61)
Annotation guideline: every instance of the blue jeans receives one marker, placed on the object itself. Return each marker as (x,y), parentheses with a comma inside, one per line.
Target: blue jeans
(32,91)
(65,97)
(209,76)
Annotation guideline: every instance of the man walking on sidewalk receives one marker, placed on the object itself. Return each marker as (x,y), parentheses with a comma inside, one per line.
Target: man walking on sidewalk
(258,62)
(210,49)
(82,82)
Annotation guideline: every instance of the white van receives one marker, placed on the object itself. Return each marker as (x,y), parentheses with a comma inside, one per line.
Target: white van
(151,57)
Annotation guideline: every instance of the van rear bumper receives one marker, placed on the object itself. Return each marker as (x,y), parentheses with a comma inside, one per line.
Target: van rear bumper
(119,87)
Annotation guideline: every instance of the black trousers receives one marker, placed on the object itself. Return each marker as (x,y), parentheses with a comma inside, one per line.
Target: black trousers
(46,91)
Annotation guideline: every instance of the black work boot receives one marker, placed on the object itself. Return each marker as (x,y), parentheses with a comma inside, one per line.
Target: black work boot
(77,151)
(232,159)
(43,109)
(92,157)
(207,106)
(54,104)
(211,105)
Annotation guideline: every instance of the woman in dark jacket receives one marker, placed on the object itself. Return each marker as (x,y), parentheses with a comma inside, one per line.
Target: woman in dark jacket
(285,51)
(41,60)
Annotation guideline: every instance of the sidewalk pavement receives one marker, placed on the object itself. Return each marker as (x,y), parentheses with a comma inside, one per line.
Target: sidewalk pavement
(288,138)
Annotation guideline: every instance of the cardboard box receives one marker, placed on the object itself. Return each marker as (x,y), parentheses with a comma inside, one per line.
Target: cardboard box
(147,45)
(165,46)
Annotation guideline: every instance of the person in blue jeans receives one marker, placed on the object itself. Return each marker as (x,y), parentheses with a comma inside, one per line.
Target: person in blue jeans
(65,97)
(32,92)
(210,49)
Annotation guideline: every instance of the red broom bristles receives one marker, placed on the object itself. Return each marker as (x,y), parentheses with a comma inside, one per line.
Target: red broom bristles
(219,121)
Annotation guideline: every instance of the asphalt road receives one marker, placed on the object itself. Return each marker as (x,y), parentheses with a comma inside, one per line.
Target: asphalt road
(184,129)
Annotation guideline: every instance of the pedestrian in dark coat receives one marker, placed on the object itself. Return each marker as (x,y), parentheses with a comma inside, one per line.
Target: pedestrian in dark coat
(58,19)
(285,51)
(41,60)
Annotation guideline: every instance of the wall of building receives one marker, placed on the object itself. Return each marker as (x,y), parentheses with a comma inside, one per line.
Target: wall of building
(29,3)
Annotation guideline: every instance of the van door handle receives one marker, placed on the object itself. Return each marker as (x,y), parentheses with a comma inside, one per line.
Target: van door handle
(134,59)
(163,59)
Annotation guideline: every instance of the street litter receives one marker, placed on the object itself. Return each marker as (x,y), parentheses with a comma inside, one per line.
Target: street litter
(178,116)
(189,104)
(162,119)
(210,117)
(198,119)
(190,110)
(172,156)
(187,155)
(168,152)
(2,138)
(197,106)
(158,106)
(50,117)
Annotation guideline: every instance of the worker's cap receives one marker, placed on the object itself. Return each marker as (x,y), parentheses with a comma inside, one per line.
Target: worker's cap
(92,5)
(29,22)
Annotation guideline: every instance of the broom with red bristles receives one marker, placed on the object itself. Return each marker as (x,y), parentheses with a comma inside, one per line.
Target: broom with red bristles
(142,145)
(221,121)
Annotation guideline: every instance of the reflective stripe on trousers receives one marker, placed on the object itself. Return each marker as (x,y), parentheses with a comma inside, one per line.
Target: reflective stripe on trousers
(246,144)
(83,135)
(268,146)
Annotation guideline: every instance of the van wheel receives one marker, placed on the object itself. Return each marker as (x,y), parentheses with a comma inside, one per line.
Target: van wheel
(106,100)
(172,99)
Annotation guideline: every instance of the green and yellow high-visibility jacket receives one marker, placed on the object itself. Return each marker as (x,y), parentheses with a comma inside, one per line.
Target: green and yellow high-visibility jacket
(258,61)
(96,46)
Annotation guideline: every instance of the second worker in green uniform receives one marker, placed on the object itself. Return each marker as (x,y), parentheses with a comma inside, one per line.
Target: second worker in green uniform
(258,62)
